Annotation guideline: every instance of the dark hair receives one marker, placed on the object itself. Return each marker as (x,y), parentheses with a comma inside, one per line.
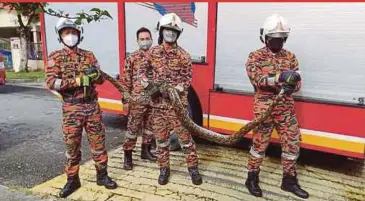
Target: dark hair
(143,29)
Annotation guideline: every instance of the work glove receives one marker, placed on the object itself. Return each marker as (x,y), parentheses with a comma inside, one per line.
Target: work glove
(83,81)
(150,87)
(290,77)
(288,89)
(153,91)
(92,73)
(124,101)
(179,88)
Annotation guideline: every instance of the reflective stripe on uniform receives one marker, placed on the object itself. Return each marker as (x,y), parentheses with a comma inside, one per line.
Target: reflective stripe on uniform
(97,152)
(148,132)
(256,154)
(186,145)
(271,81)
(163,143)
(57,84)
(130,136)
(291,157)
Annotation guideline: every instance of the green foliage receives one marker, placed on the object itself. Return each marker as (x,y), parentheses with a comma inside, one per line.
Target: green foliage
(32,11)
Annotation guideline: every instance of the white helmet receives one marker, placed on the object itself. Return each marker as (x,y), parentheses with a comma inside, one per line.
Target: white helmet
(275,26)
(68,23)
(172,21)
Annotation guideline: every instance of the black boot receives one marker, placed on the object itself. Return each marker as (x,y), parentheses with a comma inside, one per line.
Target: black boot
(73,183)
(196,178)
(102,179)
(164,176)
(128,161)
(290,184)
(252,183)
(146,153)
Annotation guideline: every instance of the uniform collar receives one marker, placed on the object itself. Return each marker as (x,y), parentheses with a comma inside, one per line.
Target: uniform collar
(173,49)
(70,51)
(142,52)
(268,52)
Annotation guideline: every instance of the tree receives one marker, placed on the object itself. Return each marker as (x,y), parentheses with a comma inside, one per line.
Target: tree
(28,13)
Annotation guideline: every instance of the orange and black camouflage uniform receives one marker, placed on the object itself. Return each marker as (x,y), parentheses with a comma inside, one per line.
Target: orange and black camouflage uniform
(63,67)
(259,66)
(172,67)
(139,115)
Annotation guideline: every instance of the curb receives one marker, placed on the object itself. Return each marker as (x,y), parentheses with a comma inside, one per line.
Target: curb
(9,194)
(24,80)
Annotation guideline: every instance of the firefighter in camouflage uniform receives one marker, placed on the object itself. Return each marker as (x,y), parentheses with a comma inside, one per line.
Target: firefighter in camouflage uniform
(73,73)
(271,69)
(139,115)
(170,64)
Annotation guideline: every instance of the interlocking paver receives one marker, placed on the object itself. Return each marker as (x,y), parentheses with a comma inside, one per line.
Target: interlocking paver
(224,171)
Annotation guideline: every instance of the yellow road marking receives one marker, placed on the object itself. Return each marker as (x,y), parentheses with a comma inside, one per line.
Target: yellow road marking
(224,172)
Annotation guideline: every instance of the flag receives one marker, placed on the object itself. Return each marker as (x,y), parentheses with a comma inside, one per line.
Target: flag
(185,10)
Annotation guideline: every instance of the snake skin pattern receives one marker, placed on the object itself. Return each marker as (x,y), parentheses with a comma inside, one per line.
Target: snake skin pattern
(187,122)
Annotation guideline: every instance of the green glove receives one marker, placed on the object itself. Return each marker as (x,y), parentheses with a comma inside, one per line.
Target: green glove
(93,73)
(83,81)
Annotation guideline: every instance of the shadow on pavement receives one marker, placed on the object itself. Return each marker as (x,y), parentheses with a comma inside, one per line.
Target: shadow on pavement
(309,158)
(8,89)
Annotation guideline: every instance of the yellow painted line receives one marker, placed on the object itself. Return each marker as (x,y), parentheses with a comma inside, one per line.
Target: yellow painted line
(224,172)
(320,141)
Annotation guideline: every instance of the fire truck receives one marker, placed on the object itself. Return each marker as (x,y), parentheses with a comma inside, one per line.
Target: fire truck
(326,38)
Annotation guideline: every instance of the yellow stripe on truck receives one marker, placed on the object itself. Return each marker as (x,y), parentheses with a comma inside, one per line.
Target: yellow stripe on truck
(309,139)
(110,106)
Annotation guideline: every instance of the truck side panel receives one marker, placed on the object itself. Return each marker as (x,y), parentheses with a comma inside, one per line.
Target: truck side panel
(330,58)
(326,38)
(147,14)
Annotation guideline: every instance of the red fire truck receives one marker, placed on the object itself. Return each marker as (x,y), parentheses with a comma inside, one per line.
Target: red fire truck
(325,37)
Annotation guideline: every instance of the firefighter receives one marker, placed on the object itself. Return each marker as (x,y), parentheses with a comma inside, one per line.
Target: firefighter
(171,64)
(139,115)
(74,73)
(270,69)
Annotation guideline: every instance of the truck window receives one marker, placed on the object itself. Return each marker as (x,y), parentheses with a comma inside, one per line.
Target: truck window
(329,47)
(194,15)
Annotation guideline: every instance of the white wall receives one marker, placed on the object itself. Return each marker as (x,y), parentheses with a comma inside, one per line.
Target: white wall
(15,52)
(10,19)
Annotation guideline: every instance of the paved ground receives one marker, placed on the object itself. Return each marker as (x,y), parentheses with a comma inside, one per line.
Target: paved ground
(31,146)
(224,173)
(32,159)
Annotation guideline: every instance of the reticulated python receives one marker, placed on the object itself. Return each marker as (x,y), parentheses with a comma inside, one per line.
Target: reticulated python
(187,122)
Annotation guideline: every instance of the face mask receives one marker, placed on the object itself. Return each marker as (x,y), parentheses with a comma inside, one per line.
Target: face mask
(70,40)
(145,44)
(169,35)
(275,44)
